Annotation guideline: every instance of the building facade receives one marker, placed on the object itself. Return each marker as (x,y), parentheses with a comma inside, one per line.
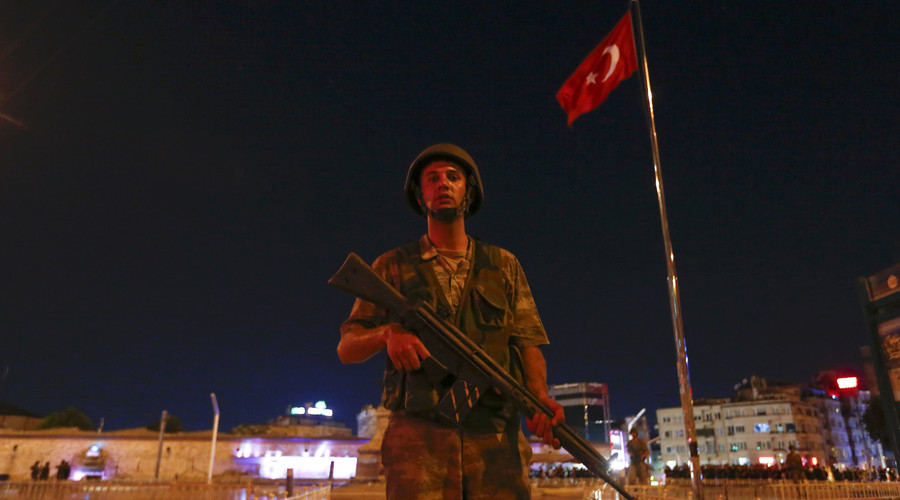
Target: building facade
(760,424)
(743,432)
(586,405)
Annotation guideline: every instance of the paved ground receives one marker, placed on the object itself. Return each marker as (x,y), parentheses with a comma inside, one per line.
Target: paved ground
(376,491)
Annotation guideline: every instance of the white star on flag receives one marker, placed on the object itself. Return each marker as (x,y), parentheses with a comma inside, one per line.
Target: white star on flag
(615,58)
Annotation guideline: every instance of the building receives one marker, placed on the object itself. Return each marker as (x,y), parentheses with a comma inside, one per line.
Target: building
(852,402)
(309,420)
(15,418)
(822,419)
(138,453)
(743,432)
(306,440)
(586,405)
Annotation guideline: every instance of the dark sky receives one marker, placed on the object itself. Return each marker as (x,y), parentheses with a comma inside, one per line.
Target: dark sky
(192,173)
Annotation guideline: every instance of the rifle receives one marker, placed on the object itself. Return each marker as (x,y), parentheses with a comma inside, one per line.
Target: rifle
(473,370)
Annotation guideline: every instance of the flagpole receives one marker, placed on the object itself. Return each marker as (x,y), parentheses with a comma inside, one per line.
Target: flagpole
(684,379)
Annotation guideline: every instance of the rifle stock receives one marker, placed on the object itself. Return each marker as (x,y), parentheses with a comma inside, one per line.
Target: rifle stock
(357,278)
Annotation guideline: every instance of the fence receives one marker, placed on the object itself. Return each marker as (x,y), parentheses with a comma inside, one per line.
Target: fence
(112,490)
(748,490)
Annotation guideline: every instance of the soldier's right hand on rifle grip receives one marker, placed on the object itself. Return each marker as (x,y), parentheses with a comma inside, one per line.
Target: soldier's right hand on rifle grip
(404,348)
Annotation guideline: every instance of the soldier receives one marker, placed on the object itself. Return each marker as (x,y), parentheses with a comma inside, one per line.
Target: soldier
(637,456)
(482,290)
(794,465)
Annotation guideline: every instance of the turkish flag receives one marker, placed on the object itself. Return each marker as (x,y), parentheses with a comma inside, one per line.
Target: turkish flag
(611,62)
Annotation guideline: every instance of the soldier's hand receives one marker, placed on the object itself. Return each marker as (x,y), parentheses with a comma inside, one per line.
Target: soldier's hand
(542,426)
(404,348)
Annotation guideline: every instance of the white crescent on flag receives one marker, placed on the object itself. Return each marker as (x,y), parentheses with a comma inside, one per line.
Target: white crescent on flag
(613,51)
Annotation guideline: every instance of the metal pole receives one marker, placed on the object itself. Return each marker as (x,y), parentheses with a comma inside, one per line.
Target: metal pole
(162,430)
(331,478)
(635,419)
(215,432)
(290,483)
(684,381)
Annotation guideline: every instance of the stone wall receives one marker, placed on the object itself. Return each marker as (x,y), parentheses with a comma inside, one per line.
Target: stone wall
(133,453)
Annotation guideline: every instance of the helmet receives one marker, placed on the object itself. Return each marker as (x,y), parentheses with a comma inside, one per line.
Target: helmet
(448,152)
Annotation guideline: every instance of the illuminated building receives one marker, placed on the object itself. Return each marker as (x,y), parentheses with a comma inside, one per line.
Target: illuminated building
(586,405)
(310,420)
(764,418)
(312,445)
(862,450)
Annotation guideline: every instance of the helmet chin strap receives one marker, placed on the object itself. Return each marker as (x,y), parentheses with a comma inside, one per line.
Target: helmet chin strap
(447,215)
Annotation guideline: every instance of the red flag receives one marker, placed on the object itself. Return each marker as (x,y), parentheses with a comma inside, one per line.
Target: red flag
(611,62)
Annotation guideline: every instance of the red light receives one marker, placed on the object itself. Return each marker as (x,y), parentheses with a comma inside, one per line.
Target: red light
(846,382)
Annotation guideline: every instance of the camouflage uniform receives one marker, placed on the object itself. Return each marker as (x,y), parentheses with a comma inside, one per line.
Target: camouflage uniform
(794,466)
(637,471)
(488,456)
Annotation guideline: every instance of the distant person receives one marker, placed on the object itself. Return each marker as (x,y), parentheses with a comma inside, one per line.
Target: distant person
(62,471)
(45,472)
(482,290)
(36,470)
(638,452)
(793,464)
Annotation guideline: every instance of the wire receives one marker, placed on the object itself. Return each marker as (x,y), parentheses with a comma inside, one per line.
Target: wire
(59,51)
(28,31)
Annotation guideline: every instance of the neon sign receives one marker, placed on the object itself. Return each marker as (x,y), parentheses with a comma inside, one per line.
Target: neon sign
(319,409)
(847,383)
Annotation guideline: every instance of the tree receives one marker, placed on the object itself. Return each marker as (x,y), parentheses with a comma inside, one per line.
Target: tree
(250,430)
(70,417)
(873,418)
(173,424)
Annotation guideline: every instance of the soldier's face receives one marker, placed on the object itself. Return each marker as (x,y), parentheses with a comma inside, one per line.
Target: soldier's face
(443,185)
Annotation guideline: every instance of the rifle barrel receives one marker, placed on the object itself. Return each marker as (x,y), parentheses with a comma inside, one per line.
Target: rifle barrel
(357,278)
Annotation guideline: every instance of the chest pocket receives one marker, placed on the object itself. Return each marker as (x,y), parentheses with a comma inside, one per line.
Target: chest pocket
(490,307)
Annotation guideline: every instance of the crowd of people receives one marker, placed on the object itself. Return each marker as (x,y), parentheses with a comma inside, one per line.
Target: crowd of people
(42,472)
(816,473)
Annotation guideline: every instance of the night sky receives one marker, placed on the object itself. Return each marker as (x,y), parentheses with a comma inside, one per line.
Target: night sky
(178,181)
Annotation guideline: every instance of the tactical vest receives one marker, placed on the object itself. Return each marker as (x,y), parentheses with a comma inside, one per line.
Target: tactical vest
(484,315)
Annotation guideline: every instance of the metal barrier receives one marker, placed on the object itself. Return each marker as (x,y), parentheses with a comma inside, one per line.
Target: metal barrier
(316,492)
(762,490)
(112,490)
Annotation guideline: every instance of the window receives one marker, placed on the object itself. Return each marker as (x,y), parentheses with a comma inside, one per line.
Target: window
(667,434)
(761,427)
(790,427)
(760,411)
